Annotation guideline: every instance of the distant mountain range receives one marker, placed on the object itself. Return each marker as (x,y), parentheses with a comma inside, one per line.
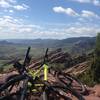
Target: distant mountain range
(79,41)
(12,47)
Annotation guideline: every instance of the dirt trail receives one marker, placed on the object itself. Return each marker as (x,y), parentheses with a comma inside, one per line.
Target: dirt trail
(94,92)
(4,76)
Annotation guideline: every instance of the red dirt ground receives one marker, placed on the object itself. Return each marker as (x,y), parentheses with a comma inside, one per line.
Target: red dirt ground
(94,92)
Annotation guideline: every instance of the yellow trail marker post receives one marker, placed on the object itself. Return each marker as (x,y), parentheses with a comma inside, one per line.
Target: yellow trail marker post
(45,72)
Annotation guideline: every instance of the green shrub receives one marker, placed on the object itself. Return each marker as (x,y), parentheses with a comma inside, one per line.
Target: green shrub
(87,78)
(96,65)
(1,69)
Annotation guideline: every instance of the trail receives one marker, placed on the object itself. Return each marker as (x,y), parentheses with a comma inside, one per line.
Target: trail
(93,92)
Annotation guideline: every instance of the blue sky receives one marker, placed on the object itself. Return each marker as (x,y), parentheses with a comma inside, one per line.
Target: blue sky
(56,19)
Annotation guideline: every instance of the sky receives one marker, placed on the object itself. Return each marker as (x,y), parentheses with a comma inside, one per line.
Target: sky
(49,19)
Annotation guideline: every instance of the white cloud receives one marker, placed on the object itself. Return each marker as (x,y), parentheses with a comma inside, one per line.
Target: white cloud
(12,4)
(4,4)
(21,7)
(88,14)
(11,11)
(70,31)
(59,9)
(26,30)
(82,1)
(83,31)
(0,28)
(11,1)
(94,2)
(68,11)
(71,12)
(15,28)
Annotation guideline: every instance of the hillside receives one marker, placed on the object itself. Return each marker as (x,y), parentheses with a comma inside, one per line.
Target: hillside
(10,49)
(79,65)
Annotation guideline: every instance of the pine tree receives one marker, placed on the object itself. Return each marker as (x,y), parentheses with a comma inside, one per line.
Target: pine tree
(96,65)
